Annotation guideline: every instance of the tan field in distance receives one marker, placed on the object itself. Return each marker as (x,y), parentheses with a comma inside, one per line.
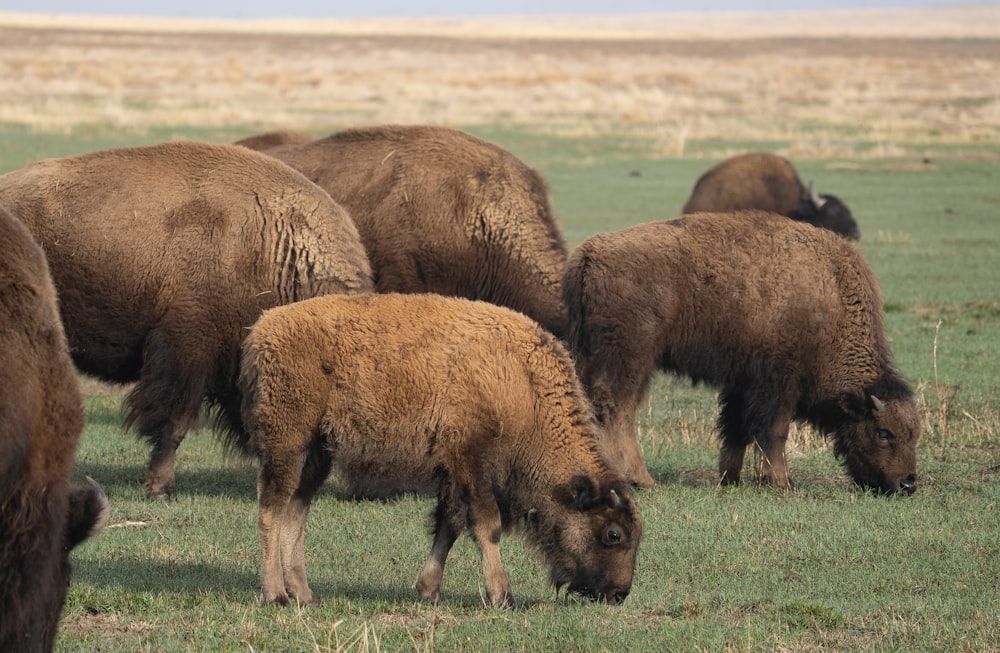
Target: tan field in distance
(860,83)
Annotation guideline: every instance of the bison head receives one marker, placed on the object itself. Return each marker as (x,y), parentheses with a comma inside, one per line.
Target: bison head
(877,444)
(590,538)
(826,212)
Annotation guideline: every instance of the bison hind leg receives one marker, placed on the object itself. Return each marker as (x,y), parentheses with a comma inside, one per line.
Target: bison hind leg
(445,534)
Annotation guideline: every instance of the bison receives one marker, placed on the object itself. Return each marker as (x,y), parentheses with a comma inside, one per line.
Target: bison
(442,211)
(164,255)
(765,181)
(275,138)
(784,319)
(42,516)
(474,400)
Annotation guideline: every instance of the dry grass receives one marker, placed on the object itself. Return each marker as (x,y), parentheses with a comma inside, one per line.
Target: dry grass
(826,84)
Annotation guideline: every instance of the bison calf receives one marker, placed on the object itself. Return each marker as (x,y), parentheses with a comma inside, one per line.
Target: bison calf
(785,319)
(768,182)
(476,399)
(164,255)
(42,517)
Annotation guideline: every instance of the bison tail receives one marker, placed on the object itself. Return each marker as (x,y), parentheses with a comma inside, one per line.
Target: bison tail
(238,423)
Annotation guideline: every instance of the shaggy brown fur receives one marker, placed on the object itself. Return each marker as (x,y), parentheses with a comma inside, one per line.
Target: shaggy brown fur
(274,139)
(42,517)
(760,180)
(164,255)
(442,211)
(475,400)
(783,318)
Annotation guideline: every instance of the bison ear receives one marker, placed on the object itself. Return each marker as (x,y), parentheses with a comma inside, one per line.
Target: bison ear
(852,405)
(585,492)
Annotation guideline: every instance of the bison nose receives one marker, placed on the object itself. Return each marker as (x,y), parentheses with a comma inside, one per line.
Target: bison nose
(908,485)
(617,597)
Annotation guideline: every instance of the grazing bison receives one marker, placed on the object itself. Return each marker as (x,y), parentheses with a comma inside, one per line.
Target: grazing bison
(273,139)
(784,319)
(442,211)
(474,400)
(760,180)
(42,517)
(164,255)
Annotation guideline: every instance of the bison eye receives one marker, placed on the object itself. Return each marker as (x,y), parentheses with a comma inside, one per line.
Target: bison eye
(884,435)
(612,537)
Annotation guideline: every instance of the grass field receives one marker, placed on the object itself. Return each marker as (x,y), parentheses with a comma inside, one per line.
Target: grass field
(823,568)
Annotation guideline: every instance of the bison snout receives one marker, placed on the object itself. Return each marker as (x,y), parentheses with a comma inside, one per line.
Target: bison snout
(908,485)
(616,597)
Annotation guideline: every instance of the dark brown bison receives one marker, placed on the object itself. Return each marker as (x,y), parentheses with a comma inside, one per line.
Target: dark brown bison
(164,255)
(42,516)
(785,319)
(760,180)
(474,400)
(442,211)
(273,139)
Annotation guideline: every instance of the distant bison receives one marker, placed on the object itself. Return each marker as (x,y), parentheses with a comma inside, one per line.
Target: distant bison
(42,517)
(760,180)
(275,138)
(442,211)
(477,401)
(164,255)
(784,319)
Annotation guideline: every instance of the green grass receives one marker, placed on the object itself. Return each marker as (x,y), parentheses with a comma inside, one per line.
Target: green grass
(825,567)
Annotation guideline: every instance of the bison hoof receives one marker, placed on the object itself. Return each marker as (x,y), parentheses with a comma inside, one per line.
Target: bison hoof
(158,492)
(504,601)
(279,599)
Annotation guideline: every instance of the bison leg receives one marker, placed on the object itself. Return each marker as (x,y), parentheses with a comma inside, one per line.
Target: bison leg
(164,405)
(445,534)
(486,527)
(756,414)
(621,446)
(773,450)
(292,531)
(276,483)
(734,438)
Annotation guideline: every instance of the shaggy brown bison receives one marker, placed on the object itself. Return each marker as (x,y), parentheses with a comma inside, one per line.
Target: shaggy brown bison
(476,400)
(164,255)
(760,180)
(442,211)
(42,517)
(785,319)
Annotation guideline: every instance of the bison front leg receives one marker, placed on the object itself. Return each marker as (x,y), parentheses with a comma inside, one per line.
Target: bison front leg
(622,446)
(486,527)
(733,435)
(773,451)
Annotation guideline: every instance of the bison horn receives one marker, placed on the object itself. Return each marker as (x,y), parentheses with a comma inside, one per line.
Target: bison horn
(878,404)
(105,511)
(614,500)
(814,197)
